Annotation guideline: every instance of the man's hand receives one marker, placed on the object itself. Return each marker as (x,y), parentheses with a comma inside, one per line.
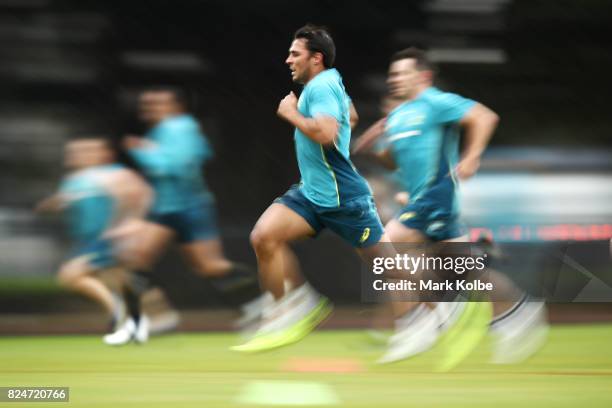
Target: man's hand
(467,167)
(137,142)
(368,139)
(287,107)
(54,203)
(402,198)
(132,142)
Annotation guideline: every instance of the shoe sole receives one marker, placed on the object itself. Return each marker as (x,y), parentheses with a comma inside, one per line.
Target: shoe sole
(461,339)
(290,335)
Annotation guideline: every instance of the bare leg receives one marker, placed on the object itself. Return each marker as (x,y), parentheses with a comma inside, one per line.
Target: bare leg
(142,254)
(396,232)
(207,257)
(275,229)
(76,275)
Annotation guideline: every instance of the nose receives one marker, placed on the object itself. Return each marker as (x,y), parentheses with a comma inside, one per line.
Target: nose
(289,60)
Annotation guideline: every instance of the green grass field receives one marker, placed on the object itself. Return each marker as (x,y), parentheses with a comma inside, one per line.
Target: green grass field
(197,370)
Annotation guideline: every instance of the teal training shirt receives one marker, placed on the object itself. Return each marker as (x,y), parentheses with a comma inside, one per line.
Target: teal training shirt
(174,164)
(328,177)
(423,135)
(90,209)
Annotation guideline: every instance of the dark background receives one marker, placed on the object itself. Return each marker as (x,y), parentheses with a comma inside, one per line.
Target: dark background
(72,67)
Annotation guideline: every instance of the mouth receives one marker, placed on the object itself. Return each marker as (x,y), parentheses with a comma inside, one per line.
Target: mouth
(394,89)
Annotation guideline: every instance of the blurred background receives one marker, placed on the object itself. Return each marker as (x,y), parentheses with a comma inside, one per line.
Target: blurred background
(75,67)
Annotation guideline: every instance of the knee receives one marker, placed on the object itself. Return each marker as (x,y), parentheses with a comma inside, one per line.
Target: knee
(263,242)
(67,276)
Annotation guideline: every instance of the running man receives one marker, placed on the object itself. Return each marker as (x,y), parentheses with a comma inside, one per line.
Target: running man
(172,155)
(101,199)
(423,142)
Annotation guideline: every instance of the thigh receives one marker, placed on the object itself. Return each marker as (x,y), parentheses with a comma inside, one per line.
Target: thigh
(462,238)
(152,243)
(282,223)
(356,221)
(75,268)
(397,232)
(196,224)
(434,222)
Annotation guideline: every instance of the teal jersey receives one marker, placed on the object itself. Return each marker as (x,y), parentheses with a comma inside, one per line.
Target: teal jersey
(174,164)
(90,209)
(328,178)
(423,135)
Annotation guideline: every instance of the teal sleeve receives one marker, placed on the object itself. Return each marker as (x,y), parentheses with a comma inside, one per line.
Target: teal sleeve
(90,216)
(321,101)
(451,107)
(177,147)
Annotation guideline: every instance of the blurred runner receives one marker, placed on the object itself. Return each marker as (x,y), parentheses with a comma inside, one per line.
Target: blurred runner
(172,155)
(102,200)
(422,136)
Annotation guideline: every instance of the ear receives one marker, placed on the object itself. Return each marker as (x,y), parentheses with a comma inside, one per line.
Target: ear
(318,58)
(427,76)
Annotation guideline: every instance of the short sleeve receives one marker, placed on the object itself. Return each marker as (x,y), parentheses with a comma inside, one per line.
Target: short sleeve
(321,101)
(451,107)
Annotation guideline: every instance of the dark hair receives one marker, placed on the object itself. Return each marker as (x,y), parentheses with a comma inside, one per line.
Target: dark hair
(318,40)
(179,94)
(423,63)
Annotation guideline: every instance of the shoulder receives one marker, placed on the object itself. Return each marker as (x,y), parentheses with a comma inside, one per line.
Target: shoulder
(441,100)
(326,81)
(82,181)
(182,123)
(411,113)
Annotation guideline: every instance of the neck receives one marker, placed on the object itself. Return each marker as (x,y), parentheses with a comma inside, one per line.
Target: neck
(314,73)
(418,90)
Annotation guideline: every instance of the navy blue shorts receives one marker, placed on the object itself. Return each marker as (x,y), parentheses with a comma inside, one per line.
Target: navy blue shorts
(433,221)
(99,253)
(198,223)
(356,220)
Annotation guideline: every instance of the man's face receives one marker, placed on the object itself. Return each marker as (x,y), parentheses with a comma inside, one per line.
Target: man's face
(301,61)
(84,153)
(404,78)
(155,106)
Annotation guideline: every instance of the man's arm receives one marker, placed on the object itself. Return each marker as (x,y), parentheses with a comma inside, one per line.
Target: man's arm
(479,124)
(369,137)
(354,116)
(131,192)
(177,147)
(321,129)
(54,203)
(385,158)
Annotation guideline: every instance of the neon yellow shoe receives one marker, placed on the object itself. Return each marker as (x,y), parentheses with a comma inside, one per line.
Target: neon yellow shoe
(465,335)
(289,335)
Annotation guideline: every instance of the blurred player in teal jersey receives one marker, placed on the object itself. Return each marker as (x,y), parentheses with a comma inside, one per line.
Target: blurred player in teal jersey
(102,200)
(172,155)
(423,135)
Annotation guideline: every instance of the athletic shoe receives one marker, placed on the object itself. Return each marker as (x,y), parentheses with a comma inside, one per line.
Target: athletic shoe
(252,313)
(464,335)
(415,333)
(519,333)
(122,335)
(289,319)
(419,330)
(141,334)
(164,322)
(129,331)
